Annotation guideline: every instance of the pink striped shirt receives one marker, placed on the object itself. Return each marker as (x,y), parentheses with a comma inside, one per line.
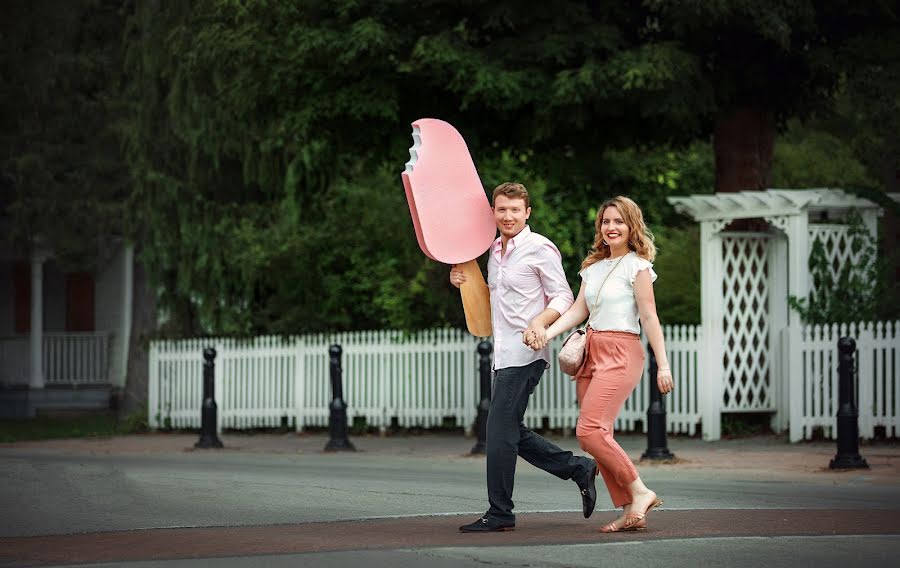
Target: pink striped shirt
(528,279)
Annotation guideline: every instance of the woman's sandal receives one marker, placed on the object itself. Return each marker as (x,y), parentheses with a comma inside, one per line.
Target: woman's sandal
(612,527)
(633,519)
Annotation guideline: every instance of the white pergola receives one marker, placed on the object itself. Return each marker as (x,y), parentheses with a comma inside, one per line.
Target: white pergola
(746,279)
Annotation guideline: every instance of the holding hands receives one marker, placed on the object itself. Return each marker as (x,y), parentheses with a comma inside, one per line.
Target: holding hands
(535,336)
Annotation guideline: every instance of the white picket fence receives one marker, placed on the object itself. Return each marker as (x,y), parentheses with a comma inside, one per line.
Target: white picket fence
(813,372)
(389,378)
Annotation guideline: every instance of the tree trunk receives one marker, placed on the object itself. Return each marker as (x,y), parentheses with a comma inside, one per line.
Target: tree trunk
(744,142)
(143,324)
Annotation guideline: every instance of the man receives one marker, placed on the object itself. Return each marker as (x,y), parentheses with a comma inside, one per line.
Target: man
(529,291)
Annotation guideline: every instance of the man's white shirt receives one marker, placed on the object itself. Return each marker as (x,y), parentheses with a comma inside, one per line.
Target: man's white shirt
(523,282)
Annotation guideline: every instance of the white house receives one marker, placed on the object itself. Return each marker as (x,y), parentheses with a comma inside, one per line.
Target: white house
(63,334)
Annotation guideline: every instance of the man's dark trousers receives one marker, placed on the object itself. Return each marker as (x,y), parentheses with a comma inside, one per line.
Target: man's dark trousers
(508,437)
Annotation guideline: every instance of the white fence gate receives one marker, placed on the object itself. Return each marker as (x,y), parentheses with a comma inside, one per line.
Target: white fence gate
(390,378)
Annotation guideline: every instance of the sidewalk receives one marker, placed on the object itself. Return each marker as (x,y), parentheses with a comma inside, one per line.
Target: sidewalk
(756,456)
(279,499)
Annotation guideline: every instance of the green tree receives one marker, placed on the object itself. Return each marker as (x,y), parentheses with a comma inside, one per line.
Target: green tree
(807,156)
(67,186)
(761,63)
(253,119)
(65,180)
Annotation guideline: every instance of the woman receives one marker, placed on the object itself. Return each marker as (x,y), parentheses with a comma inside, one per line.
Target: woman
(617,288)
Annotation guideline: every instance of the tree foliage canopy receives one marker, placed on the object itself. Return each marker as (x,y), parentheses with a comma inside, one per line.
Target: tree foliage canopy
(63,178)
(264,139)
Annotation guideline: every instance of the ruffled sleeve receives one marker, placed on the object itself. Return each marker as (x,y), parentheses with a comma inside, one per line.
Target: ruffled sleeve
(637,264)
(586,274)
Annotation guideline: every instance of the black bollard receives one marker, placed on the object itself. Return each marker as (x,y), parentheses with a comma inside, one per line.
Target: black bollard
(657,446)
(337,420)
(209,410)
(484,373)
(847,416)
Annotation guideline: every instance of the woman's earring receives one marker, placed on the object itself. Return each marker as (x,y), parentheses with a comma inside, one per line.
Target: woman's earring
(604,243)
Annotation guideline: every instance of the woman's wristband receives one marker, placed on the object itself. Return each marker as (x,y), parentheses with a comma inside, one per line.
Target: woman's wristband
(663,369)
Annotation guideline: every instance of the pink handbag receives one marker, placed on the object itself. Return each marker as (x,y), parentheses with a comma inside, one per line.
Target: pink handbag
(571,354)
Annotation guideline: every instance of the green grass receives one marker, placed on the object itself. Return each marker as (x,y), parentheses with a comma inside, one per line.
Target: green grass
(81,426)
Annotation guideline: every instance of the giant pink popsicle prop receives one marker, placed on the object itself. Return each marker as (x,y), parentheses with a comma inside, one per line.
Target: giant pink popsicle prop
(453,220)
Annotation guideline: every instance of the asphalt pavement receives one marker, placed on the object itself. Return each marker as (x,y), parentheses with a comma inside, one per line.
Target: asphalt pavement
(280,500)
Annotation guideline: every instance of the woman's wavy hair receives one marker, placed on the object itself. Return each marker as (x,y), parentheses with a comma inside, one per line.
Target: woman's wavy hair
(640,239)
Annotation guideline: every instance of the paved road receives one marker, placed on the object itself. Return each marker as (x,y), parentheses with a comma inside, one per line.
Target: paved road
(279,500)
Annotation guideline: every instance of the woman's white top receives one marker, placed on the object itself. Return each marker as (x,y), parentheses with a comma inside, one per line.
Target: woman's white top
(617,308)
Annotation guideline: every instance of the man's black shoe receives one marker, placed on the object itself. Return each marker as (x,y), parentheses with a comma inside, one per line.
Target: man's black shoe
(485,524)
(589,493)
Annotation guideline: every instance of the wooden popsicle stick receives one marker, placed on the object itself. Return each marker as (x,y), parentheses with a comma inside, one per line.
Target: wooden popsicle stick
(476,299)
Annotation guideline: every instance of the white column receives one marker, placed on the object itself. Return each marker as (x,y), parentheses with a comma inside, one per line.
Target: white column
(778,326)
(712,316)
(798,259)
(797,229)
(37,322)
(870,220)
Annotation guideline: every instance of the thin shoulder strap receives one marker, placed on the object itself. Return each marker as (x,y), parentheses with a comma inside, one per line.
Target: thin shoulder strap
(608,274)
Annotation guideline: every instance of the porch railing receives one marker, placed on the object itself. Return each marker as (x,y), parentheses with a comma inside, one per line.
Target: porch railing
(68,359)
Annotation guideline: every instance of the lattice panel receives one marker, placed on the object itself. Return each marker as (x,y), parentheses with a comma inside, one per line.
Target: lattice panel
(838,248)
(746,349)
